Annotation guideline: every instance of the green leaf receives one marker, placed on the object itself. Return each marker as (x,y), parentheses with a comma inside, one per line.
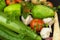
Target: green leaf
(59,7)
(45,25)
(25,15)
(2,5)
(29,5)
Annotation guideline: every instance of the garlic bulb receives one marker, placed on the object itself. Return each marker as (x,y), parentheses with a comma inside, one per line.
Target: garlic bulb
(49,21)
(45,32)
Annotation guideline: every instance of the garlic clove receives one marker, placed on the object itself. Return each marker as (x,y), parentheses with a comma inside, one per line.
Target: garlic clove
(27,20)
(45,32)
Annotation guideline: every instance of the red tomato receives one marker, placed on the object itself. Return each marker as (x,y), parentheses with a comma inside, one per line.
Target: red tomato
(36,24)
(50,4)
(8,2)
(19,1)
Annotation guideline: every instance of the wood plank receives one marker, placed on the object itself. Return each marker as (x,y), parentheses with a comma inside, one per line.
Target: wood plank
(56,35)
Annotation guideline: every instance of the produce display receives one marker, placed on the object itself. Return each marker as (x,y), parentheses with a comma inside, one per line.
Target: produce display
(26,20)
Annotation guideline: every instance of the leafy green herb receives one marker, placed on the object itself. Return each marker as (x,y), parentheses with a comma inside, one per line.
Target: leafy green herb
(45,25)
(59,7)
(34,28)
(29,5)
(2,5)
(25,15)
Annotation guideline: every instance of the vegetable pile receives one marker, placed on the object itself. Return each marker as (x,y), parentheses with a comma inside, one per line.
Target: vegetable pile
(2,5)
(25,20)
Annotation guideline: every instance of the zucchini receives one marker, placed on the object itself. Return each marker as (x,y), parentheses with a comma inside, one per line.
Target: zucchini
(19,27)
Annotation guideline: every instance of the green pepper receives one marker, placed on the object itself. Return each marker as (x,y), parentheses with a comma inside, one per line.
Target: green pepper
(13,9)
(41,11)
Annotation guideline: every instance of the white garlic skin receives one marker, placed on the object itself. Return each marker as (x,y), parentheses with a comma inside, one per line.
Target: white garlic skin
(27,20)
(45,32)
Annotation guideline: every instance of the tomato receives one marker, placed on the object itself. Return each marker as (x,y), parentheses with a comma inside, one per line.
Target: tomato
(19,1)
(50,4)
(36,24)
(8,2)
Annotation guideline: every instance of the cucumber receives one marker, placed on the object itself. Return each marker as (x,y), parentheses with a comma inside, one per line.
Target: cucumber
(20,28)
